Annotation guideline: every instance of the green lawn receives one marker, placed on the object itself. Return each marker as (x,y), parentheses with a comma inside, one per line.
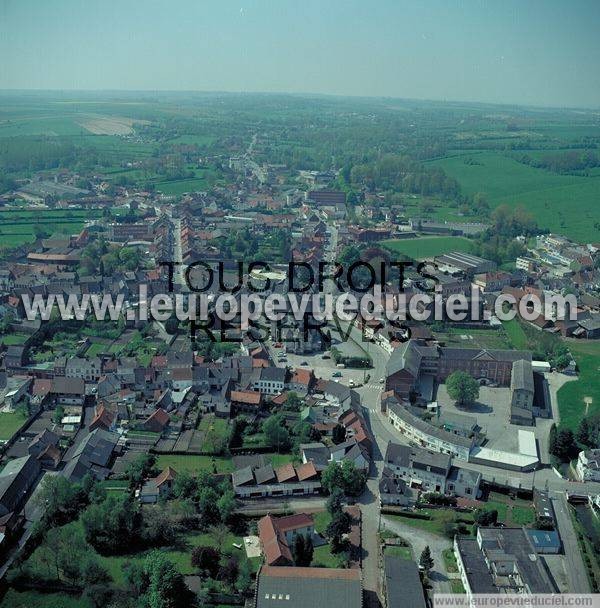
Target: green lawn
(566,204)
(278,460)
(194,464)
(32,599)
(571,395)
(515,333)
(322,519)
(96,348)
(10,423)
(449,560)
(456,586)
(216,432)
(501,507)
(324,558)
(426,247)
(474,338)
(14,339)
(523,516)
(402,552)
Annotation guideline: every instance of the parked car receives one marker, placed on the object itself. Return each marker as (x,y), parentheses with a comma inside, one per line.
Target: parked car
(337,375)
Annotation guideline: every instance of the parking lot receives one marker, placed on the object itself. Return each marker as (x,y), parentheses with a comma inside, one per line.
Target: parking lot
(492,411)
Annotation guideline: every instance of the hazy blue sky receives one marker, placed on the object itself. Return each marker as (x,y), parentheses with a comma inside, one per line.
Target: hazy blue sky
(514,51)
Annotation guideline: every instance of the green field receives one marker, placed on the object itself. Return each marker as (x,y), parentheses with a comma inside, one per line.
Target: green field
(474,338)
(10,423)
(571,396)
(17,225)
(183,185)
(427,247)
(515,333)
(194,464)
(216,432)
(567,204)
(33,599)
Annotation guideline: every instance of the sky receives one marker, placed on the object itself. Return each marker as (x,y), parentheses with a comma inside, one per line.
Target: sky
(530,52)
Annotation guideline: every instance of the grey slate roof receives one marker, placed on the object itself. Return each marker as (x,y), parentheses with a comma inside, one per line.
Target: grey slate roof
(427,428)
(522,376)
(292,587)
(417,458)
(403,583)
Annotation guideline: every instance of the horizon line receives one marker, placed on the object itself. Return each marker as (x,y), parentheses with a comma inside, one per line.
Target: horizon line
(307,95)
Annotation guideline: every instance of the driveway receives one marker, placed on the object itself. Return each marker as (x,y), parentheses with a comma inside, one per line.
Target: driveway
(418,540)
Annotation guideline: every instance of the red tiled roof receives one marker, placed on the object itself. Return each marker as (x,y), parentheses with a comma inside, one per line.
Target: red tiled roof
(274,547)
(293,522)
(285,472)
(159,416)
(168,474)
(249,397)
(302,376)
(306,471)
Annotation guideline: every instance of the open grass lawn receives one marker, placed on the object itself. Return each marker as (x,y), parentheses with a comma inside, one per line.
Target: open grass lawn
(194,464)
(523,516)
(474,338)
(572,395)
(515,333)
(216,432)
(561,203)
(10,423)
(324,558)
(402,552)
(97,348)
(511,511)
(33,599)
(13,339)
(456,586)
(181,555)
(322,519)
(278,460)
(426,247)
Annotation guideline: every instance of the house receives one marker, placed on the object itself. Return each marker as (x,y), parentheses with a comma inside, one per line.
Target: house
(588,465)
(15,357)
(68,391)
(429,471)
(89,370)
(278,534)
(401,583)
(420,469)
(501,561)
(295,587)
(16,479)
(492,281)
(41,441)
(103,419)
(302,381)
(393,490)
(521,385)
(246,401)
(351,451)
(157,422)
(92,456)
(271,381)
(159,487)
